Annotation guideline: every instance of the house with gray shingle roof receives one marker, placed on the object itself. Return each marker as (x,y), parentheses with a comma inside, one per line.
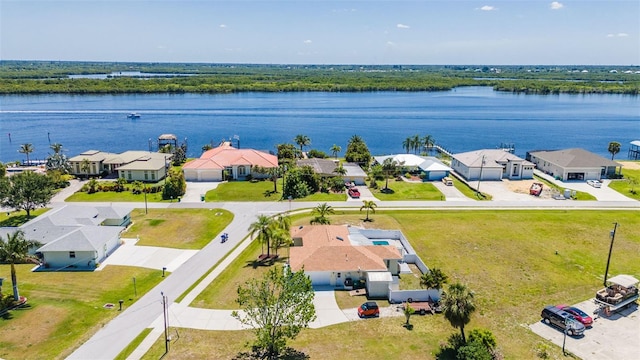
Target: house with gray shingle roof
(491,164)
(75,237)
(573,164)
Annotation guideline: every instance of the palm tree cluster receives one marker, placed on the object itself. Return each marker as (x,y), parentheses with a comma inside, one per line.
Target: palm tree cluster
(321,212)
(416,143)
(274,232)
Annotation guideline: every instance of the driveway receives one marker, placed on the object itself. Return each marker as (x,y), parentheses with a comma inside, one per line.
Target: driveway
(196,189)
(129,254)
(611,338)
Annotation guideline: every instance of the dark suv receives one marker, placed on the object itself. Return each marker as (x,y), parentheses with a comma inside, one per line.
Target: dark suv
(559,318)
(370,308)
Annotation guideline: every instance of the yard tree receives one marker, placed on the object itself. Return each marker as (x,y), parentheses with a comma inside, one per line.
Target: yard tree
(85,166)
(335,150)
(13,250)
(280,233)
(277,306)
(633,182)
(273,172)
(58,161)
(368,205)
(262,228)
(287,154)
(302,140)
(321,212)
(174,185)
(26,149)
(428,142)
(357,151)
(614,148)
(26,191)
(433,279)
(389,166)
(457,306)
(416,143)
(408,311)
(406,144)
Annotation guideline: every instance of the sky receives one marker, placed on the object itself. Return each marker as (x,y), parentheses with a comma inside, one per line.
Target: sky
(372,32)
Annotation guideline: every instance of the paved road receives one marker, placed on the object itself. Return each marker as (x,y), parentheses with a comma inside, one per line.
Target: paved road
(109,341)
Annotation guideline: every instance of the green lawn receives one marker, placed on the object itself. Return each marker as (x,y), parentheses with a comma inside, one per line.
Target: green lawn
(177,228)
(17,218)
(112,196)
(402,190)
(261,191)
(624,187)
(467,191)
(65,309)
(515,261)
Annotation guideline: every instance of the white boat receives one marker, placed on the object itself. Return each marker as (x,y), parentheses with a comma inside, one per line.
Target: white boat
(133,116)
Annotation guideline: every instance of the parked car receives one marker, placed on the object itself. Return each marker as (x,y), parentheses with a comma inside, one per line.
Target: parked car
(369,309)
(561,319)
(354,193)
(447,181)
(594,183)
(578,314)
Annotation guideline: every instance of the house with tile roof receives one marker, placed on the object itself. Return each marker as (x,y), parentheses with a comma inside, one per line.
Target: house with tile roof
(491,164)
(574,164)
(75,237)
(227,162)
(339,256)
(432,167)
(131,165)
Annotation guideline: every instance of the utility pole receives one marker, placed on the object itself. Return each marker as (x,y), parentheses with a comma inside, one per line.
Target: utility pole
(613,237)
(166,323)
(480,178)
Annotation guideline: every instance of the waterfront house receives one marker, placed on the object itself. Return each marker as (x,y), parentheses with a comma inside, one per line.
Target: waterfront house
(573,164)
(226,162)
(322,167)
(432,167)
(131,165)
(491,164)
(95,163)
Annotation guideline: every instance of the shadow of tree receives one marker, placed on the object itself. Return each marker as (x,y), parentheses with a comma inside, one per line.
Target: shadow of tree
(15,220)
(387,191)
(265,261)
(257,353)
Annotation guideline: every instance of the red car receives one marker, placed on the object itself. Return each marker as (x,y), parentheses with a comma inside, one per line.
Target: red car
(369,309)
(578,314)
(354,193)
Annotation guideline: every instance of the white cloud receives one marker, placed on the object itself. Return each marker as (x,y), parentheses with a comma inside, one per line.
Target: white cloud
(390,43)
(610,35)
(402,26)
(623,34)
(223,26)
(307,41)
(487,8)
(556,5)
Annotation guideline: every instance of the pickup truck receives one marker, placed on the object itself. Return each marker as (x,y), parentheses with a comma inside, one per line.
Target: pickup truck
(354,193)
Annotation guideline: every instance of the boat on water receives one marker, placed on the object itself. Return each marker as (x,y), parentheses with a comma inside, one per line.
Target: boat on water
(133,116)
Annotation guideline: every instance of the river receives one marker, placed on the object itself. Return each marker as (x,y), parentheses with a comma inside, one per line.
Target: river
(462,119)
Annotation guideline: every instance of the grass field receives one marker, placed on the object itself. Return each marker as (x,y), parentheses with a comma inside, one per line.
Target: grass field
(402,190)
(17,218)
(260,191)
(177,228)
(65,309)
(112,196)
(516,262)
(624,187)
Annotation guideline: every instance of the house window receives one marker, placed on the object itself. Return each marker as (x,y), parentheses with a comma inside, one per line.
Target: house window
(129,175)
(153,176)
(72,254)
(241,170)
(146,175)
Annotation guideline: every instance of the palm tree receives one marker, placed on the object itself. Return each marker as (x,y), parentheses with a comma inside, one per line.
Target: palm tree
(614,148)
(389,166)
(428,141)
(434,279)
(321,211)
(406,144)
(57,148)
(263,228)
(340,170)
(302,140)
(280,234)
(416,143)
(15,249)
(369,205)
(26,149)
(85,166)
(457,306)
(335,149)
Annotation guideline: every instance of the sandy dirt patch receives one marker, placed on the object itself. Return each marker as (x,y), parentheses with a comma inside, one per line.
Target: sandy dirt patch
(523,186)
(632,165)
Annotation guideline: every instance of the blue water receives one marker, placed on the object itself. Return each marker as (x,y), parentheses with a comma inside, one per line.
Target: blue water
(463,119)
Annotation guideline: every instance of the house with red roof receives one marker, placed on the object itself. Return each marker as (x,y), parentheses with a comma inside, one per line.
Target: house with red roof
(227,162)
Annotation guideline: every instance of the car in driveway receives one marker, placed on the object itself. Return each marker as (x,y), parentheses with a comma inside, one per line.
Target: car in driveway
(594,183)
(354,193)
(562,320)
(577,314)
(369,309)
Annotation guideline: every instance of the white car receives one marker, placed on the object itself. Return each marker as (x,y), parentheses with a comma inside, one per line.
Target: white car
(594,183)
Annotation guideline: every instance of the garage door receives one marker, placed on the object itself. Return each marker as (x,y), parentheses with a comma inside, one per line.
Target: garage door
(210,176)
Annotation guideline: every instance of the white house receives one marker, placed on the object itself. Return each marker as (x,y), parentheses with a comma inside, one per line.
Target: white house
(573,164)
(130,165)
(491,164)
(75,237)
(432,167)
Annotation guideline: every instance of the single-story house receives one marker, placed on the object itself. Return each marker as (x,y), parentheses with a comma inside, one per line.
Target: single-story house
(491,164)
(237,163)
(354,174)
(431,166)
(75,237)
(573,164)
(330,257)
(130,165)
(322,167)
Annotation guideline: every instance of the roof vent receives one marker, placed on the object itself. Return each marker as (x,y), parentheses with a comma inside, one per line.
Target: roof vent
(339,238)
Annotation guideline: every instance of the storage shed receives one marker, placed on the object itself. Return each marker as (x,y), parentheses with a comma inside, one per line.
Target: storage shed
(378,284)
